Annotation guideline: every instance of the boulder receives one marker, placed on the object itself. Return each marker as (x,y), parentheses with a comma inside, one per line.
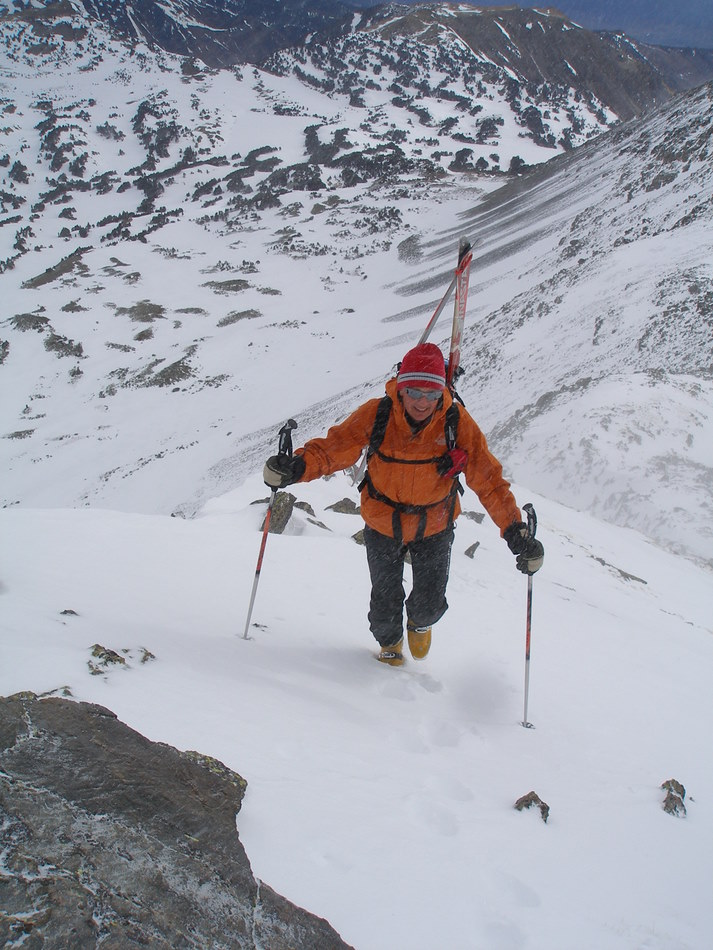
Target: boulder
(110,839)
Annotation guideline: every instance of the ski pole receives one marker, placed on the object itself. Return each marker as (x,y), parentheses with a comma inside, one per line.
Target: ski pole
(284,450)
(532,528)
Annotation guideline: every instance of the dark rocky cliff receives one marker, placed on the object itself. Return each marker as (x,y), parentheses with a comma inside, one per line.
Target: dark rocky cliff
(112,840)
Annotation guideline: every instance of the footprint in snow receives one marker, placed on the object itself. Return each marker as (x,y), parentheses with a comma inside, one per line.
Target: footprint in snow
(434,816)
(403,684)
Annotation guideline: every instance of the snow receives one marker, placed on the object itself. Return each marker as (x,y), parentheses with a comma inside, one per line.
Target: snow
(381,798)
(503,30)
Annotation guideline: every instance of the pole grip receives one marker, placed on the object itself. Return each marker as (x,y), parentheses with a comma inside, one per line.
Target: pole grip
(284,447)
(531,519)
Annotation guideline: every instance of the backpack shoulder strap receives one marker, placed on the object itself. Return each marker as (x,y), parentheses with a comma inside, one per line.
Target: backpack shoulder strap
(381,420)
(452,417)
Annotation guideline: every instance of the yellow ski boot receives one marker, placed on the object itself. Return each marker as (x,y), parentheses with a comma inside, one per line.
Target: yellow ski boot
(419,641)
(392,654)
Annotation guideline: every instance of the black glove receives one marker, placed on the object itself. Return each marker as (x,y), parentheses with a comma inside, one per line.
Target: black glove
(528,550)
(281,470)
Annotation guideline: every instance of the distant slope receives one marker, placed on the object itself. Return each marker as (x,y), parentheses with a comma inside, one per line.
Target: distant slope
(219,32)
(592,337)
(625,74)
(688,23)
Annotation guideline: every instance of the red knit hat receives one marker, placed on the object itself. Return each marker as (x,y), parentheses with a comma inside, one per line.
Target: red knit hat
(422,368)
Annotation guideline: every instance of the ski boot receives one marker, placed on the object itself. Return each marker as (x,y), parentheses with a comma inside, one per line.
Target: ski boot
(419,640)
(392,654)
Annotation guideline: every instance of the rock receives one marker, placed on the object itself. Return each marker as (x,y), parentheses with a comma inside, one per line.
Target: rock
(470,551)
(318,524)
(110,839)
(345,507)
(281,511)
(671,785)
(532,799)
(105,658)
(673,802)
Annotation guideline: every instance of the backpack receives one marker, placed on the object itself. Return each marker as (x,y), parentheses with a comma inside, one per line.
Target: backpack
(381,420)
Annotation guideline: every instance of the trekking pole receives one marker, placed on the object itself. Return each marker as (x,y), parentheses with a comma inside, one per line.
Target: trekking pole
(532,528)
(284,450)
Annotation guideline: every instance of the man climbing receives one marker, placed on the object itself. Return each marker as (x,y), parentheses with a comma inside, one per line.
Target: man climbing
(419,440)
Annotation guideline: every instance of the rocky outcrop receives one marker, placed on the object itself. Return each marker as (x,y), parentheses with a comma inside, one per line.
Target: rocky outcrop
(109,839)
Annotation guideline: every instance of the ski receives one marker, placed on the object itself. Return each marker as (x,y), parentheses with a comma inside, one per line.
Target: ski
(439,310)
(464,248)
(459,282)
(462,277)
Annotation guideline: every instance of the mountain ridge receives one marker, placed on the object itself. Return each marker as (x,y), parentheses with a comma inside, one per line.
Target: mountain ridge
(224,33)
(650,21)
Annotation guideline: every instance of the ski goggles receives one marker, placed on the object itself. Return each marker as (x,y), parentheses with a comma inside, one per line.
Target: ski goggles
(432,395)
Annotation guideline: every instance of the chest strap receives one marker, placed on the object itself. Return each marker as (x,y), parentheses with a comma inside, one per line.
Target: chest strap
(402,508)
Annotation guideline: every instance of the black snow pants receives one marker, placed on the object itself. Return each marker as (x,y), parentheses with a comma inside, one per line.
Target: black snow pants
(430,563)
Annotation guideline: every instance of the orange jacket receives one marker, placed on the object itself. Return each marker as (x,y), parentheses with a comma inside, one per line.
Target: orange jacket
(412,484)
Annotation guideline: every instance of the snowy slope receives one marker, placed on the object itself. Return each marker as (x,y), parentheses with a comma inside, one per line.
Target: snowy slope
(382,799)
(590,351)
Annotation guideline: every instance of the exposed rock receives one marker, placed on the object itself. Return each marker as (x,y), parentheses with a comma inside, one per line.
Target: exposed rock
(104,659)
(318,524)
(345,507)
(112,840)
(281,511)
(470,551)
(532,799)
(673,802)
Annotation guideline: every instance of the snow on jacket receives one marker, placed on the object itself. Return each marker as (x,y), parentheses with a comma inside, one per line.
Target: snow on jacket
(408,484)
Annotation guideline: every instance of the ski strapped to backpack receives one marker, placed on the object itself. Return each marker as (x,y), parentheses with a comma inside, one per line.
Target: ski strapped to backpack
(462,278)
(444,464)
(459,283)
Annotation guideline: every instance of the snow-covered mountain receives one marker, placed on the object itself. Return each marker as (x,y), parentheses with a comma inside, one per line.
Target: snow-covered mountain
(687,24)
(191,255)
(220,32)
(535,46)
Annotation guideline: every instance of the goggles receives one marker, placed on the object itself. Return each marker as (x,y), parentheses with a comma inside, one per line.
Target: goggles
(432,395)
